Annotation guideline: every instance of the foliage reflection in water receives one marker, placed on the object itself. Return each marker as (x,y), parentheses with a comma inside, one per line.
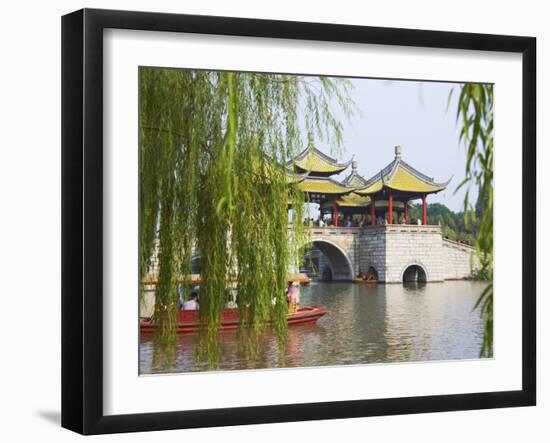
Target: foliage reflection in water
(366,323)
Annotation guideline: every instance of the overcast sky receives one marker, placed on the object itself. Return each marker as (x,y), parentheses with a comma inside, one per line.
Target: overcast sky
(414,115)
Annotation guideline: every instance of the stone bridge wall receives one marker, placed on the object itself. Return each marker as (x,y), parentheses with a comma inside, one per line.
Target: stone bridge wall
(373,251)
(408,245)
(341,248)
(458,259)
(391,249)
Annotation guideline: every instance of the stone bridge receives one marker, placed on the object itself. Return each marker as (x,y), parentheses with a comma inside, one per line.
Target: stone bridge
(396,253)
(340,248)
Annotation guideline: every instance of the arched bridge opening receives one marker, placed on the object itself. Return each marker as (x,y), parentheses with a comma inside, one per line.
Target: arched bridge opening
(336,265)
(414,274)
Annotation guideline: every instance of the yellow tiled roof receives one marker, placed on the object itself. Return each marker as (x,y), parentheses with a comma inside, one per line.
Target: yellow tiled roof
(371,188)
(355,181)
(323,186)
(269,171)
(313,160)
(292,178)
(399,176)
(403,180)
(353,201)
(317,164)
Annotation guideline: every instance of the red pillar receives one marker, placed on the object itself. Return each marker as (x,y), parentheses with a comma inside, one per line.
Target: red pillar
(424,212)
(390,209)
(406,212)
(335,214)
(372,214)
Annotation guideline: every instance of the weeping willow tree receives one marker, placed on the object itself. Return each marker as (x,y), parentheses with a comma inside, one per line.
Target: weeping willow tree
(214,184)
(475,110)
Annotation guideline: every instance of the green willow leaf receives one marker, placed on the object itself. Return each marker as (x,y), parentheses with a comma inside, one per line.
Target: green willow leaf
(475,109)
(214,191)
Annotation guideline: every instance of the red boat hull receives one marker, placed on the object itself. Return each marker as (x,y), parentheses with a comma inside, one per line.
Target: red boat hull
(188,321)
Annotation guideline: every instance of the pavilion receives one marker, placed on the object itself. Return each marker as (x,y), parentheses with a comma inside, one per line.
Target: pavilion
(319,186)
(390,190)
(395,186)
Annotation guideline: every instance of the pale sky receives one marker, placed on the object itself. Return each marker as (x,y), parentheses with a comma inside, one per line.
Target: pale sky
(414,115)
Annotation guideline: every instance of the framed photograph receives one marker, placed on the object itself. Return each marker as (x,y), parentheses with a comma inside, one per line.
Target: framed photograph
(269,221)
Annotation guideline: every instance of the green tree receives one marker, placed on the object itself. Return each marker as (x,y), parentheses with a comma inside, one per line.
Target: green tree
(213,181)
(475,111)
(453,225)
(481,203)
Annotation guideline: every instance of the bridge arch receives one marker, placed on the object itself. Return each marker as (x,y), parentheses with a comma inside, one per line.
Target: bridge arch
(340,262)
(414,272)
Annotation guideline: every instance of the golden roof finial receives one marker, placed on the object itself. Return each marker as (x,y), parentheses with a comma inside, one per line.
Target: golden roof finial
(310,139)
(398,151)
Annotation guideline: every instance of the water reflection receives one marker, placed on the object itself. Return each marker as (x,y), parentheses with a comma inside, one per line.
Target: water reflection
(366,323)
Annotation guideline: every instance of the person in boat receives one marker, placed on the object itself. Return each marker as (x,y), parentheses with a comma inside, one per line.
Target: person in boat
(193,303)
(292,297)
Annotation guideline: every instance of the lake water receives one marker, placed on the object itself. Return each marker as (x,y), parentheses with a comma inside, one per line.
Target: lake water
(366,323)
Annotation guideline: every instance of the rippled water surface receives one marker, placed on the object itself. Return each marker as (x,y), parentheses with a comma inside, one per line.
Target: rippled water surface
(366,323)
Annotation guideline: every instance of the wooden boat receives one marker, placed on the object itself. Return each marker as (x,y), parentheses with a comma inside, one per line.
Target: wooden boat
(188,321)
(362,280)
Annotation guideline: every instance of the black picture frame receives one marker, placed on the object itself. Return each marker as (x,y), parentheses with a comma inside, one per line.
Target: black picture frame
(82,220)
